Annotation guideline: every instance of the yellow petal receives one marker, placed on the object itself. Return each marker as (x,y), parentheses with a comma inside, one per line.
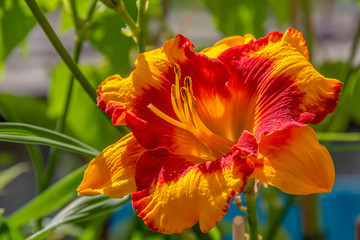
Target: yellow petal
(294,161)
(174,193)
(283,88)
(215,50)
(112,172)
(148,83)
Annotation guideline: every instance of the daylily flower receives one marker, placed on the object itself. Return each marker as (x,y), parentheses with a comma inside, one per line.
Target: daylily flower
(203,122)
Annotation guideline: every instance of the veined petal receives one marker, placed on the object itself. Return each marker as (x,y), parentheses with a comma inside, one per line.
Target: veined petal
(112,172)
(174,193)
(282,86)
(157,132)
(294,161)
(166,98)
(215,50)
(149,83)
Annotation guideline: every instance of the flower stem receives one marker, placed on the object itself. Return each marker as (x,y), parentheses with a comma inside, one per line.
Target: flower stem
(37,161)
(140,23)
(312,225)
(250,194)
(59,47)
(308,25)
(353,51)
(134,29)
(60,124)
(273,226)
(120,8)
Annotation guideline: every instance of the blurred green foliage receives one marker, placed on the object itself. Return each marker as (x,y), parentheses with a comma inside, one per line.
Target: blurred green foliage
(88,129)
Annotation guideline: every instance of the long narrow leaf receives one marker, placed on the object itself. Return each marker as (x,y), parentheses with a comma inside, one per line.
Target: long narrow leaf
(48,201)
(81,209)
(26,133)
(338,136)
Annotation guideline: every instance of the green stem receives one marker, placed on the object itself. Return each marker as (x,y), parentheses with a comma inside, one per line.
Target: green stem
(309,32)
(60,124)
(91,10)
(353,51)
(36,158)
(59,47)
(120,8)
(338,116)
(311,219)
(274,225)
(74,13)
(294,13)
(250,195)
(140,24)
(135,29)
(37,161)
(200,235)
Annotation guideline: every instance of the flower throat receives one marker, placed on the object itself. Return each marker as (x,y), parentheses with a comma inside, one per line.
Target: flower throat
(184,106)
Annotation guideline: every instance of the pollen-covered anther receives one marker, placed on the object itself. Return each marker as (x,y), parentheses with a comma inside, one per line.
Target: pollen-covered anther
(185,109)
(184,105)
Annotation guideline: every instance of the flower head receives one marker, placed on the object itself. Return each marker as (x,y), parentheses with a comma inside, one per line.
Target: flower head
(203,122)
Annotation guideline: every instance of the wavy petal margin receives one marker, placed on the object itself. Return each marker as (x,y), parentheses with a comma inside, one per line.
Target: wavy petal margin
(174,193)
(112,172)
(219,47)
(294,161)
(283,87)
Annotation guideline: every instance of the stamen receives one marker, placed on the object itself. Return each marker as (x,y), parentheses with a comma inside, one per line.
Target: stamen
(185,109)
(177,91)
(183,94)
(188,85)
(174,103)
(187,82)
(188,112)
(166,117)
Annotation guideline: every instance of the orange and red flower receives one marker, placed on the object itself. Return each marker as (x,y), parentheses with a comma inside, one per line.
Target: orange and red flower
(203,122)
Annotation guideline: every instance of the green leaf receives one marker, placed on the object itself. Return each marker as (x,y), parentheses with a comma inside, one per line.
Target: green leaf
(79,210)
(26,110)
(49,200)
(15,23)
(25,133)
(9,174)
(84,120)
(91,231)
(339,120)
(82,7)
(346,110)
(107,38)
(338,136)
(343,148)
(281,9)
(238,17)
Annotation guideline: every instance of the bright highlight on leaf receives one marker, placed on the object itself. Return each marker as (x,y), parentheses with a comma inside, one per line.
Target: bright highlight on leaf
(203,122)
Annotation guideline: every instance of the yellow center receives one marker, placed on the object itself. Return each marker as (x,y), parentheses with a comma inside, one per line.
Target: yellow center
(184,105)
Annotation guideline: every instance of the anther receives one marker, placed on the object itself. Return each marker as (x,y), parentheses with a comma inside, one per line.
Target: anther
(176,69)
(187,83)
(184,94)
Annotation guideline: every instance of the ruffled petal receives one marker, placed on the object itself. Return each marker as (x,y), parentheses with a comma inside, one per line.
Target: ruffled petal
(149,83)
(159,74)
(294,161)
(112,172)
(174,193)
(215,50)
(282,87)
